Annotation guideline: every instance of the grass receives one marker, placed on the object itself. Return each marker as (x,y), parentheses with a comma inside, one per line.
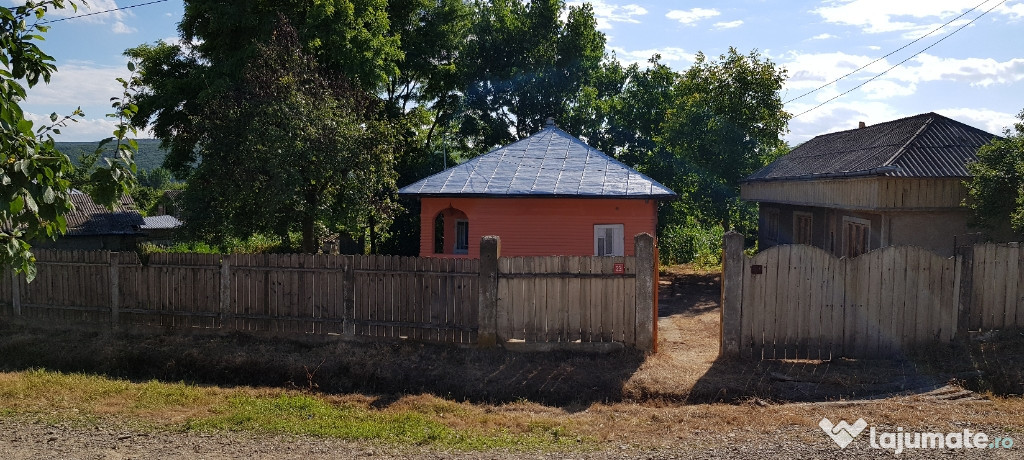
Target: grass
(82,399)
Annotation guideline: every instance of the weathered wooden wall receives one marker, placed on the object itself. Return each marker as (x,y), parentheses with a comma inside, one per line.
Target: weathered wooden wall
(799,302)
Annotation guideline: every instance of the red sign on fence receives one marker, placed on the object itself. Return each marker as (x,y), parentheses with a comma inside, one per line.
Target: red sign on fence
(619,268)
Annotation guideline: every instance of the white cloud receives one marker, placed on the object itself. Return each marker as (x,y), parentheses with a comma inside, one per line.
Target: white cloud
(728,25)
(79,84)
(810,71)
(83,129)
(989,120)
(607,13)
(669,56)
(823,37)
(112,16)
(691,17)
(973,71)
(121,28)
(913,18)
(837,116)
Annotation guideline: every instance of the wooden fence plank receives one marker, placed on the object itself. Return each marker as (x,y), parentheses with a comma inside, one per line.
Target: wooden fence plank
(1010,278)
(772,266)
(904,321)
(573,301)
(1019,302)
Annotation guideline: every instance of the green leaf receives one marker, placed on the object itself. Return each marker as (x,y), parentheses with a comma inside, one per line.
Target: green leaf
(17,205)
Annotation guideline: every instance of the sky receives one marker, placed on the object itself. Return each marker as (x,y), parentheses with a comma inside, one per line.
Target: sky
(961,59)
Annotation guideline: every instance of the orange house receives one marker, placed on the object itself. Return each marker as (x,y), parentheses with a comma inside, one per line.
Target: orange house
(548,194)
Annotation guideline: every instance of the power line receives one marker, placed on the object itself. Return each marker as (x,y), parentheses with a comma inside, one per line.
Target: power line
(890,54)
(901,62)
(103,12)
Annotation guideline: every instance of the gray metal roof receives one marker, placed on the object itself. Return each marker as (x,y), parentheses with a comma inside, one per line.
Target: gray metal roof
(548,163)
(160,222)
(926,145)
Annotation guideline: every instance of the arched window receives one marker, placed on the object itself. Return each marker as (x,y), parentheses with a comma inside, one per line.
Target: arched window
(451,232)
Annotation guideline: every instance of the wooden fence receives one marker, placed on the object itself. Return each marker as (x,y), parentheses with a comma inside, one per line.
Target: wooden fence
(800,302)
(556,300)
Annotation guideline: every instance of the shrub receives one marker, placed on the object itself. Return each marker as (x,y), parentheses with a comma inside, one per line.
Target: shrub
(691,243)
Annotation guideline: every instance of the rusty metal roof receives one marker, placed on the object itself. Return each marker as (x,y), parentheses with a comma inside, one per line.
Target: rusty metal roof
(926,145)
(549,163)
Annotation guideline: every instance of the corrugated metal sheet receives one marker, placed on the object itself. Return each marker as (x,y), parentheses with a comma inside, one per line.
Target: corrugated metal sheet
(926,145)
(160,222)
(549,163)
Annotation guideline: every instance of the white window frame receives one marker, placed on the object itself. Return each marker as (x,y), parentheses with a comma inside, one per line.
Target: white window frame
(614,247)
(846,236)
(461,238)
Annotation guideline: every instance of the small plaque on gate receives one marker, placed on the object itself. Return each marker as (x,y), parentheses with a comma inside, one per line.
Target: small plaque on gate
(756,269)
(619,268)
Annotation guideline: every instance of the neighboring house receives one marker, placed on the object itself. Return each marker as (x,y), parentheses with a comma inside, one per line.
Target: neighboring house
(548,194)
(848,192)
(169,204)
(94,227)
(160,229)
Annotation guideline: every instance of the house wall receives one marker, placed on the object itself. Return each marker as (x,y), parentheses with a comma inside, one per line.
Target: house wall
(539,226)
(865,193)
(827,226)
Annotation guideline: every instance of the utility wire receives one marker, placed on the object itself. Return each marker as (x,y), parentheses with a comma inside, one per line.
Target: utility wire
(901,62)
(103,12)
(890,54)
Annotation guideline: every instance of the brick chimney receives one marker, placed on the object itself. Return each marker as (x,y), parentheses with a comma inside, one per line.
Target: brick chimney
(861,125)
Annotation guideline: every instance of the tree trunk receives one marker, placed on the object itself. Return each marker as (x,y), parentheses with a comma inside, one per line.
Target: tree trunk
(310,244)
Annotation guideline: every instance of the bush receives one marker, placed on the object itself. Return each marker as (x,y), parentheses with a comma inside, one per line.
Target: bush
(691,243)
(255,244)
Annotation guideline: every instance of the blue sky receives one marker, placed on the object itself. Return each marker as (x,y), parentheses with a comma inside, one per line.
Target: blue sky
(975,75)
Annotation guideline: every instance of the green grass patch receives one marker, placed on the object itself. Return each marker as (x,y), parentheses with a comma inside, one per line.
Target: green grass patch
(309,415)
(82,399)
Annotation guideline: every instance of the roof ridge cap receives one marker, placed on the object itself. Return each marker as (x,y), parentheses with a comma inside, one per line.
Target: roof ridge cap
(914,137)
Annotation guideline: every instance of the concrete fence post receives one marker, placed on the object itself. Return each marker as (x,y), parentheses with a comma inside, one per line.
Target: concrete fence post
(225,292)
(115,290)
(646,292)
(732,291)
(965,275)
(490,250)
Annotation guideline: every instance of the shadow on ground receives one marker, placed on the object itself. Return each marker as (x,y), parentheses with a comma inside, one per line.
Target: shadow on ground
(476,375)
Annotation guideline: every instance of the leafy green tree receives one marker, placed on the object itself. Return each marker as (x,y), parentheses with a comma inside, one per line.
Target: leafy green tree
(524,65)
(996,187)
(35,187)
(219,40)
(725,121)
(290,149)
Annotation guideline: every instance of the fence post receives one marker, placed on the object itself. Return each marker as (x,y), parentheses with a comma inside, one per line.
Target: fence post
(646,292)
(490,249)
(15,293)
(732,289)
(115,289)
(225,291)
(965,272)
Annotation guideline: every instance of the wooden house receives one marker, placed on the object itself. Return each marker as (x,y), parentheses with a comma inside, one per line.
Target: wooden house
(548,194)
(848,192)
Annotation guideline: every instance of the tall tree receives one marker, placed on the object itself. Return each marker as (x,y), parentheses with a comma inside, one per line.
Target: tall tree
(290,149)
(996,187)
(219,39)
(725,121)
(523,64)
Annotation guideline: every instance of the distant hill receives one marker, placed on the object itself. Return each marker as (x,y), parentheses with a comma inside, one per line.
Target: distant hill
(150,155)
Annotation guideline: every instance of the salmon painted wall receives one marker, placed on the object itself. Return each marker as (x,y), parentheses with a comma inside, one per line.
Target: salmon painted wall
(539,226)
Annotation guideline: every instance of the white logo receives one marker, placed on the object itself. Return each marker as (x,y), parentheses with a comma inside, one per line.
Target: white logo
(842,433)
